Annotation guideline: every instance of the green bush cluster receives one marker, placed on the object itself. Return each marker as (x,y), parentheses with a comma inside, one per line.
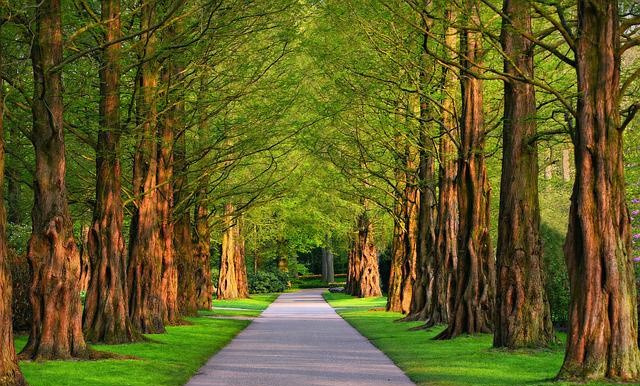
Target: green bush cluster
(263,282)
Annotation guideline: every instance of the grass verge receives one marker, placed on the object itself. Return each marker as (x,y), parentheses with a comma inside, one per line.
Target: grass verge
(168,359)
(462,361)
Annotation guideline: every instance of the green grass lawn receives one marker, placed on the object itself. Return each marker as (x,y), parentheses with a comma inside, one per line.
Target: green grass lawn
(169,359)
(462,361)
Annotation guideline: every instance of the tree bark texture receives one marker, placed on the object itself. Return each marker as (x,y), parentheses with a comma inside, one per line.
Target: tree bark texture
(364,275)
(10,374)
(328,273)
(186,263)
(440,303)
(603,326)
(232,282)
(166,131)
(144,270)
(473,304)
(52,252)
(202,255)
(106,313)
(523,315)
(425,244)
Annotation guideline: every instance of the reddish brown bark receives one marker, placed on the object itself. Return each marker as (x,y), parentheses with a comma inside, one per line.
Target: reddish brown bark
(106,312)
(364,275)
(186,264)
(405,238)
(144,270)
(232,282)
(523,316)
(52,252)
(204,286)
(603,326)
(398,254)
(425,234)
(473,303)
(85,260)
(10,374)
(440,303)
(167,127)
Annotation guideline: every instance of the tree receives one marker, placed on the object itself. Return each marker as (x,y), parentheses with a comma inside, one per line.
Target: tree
(106,312)
(328,274)
(232,280)
(204,286)
(473,302)
(523,316)
(10,374)
(52,252)
(440,303)
(603,327)
(144,270)
(363,277)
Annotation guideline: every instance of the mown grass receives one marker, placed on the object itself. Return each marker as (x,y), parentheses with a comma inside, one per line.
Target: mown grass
(167,359)
(463,361)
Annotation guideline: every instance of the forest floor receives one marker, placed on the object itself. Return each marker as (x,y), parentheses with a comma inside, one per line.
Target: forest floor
(462,361)
(167,359)
(300,340)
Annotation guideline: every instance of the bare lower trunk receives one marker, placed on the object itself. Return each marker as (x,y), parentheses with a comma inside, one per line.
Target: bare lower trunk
(144,270)
(232,282)
(398,254)
(473,303)
(603,322)
(168,124)
(85,259)
(523,316)
(425,232)
(53,256)
(328,275)
(440,303)
(106,312)
(204,286)
(364,274)
(186,263)
(10,374)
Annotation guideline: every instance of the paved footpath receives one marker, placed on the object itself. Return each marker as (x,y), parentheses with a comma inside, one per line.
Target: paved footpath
(299,340)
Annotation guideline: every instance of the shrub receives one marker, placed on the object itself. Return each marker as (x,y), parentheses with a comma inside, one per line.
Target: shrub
(266,282)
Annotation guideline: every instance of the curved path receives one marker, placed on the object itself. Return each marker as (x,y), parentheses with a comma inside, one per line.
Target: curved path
(299,340)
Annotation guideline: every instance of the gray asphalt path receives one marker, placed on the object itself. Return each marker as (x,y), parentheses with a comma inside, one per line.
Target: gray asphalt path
(299,340)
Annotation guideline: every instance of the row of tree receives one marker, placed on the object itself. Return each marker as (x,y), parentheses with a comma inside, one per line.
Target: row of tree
(443,268)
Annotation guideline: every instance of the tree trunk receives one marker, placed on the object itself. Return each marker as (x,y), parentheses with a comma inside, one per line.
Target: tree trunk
(186,263)
(328,275)
(398,254)
(523,316)
(363,262)
(473,304)
(409,264)
(423,286)
(232,282)
(241,264)
(53,255)
(10,374)
(440,303)
(106,312)
(603,325)
(566,165)
(167,127)
(204,286)
(85,259)
(144,270)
